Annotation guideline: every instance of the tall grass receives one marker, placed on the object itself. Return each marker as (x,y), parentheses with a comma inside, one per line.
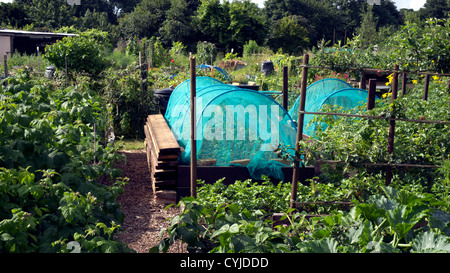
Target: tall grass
(34,62)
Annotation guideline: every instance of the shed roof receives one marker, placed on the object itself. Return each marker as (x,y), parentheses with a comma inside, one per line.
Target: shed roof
(35,34)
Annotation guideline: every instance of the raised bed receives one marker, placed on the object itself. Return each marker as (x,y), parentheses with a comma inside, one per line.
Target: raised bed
(171,181)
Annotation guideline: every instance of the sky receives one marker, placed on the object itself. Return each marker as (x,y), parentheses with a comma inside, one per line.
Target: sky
(401,4)
(407,4)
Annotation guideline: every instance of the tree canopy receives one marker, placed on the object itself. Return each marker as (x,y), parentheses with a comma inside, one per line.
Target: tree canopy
(290,25)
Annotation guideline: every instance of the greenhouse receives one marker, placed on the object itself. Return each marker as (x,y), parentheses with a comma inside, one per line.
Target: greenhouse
(234,126)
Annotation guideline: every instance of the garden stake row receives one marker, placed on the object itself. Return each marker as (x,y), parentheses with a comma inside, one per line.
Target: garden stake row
(285,87)
(5,61)
(370,105)
(390,148)
(193,131)
(301,117)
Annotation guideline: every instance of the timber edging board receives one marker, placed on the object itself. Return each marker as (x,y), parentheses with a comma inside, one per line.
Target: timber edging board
(162,153)
(167,176)
(210,174)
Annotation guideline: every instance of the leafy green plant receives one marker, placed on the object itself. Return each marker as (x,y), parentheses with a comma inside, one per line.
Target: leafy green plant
(423,47)
(362,144)
(78,53)
(127,104)
(53,156)
(206,53)
(389,223)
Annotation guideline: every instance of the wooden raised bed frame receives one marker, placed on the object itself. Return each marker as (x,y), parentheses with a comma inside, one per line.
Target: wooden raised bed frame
(171,181)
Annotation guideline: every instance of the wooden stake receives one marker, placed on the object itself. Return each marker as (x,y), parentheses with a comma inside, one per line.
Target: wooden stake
(301,117)
(390,148)
(5,61)
(362,84)
(285,87)
(404,81)
(193,131)
(427,84)
(371,94)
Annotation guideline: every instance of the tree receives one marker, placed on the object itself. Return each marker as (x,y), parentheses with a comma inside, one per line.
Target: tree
(51,14)
(124,6)
(289,35)
(100,6)
(439,9)
(12,14)
(368,29)
(176,27)
(80,53)
(351,17)
(145,20)
(212,19)
(323,19)
(246,23)
(387,14)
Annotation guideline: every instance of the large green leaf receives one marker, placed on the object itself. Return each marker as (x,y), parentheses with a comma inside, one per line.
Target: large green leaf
(430,242)
(327,245)
(441,220)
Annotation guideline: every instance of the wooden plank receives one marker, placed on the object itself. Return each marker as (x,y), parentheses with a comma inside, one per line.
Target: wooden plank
(163,137)
(154,146)
(164,183)
(165,174)
(162,165)
(211,174)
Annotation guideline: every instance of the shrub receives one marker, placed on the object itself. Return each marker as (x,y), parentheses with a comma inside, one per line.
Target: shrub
(81,53)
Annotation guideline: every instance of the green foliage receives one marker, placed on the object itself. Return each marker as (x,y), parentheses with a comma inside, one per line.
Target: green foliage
(250,47)
(246,23)
(358,142)
(80,53)
(415,47)
(127,104)
(423,47)
(145,19)
(247,194)
(290,35)
(386,223)
(368,29)
(51,162)
(206,53)
(34,62)
(212,19)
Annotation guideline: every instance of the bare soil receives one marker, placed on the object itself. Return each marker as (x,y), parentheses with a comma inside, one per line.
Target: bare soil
(144,215)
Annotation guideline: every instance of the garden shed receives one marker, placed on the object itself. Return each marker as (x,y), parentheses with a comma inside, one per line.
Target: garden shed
(26,42)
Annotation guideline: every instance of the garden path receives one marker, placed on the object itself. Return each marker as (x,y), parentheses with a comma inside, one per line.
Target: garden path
(144,216)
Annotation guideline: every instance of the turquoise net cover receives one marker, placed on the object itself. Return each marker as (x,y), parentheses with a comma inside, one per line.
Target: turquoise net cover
(234,126)
(331,92)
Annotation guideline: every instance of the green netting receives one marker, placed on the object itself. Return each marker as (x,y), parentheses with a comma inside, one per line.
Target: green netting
(234,126)
(328,91)
(316,91)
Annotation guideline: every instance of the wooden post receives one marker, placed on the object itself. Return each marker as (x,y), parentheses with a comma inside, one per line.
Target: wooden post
(362,84)
(5,61)
(67,72)
(193,131)
(285,87)
(151,54)
(300,121)
(390,148)
(448,86)
(404,80)
(427,84)
(371,94)
(143,66)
